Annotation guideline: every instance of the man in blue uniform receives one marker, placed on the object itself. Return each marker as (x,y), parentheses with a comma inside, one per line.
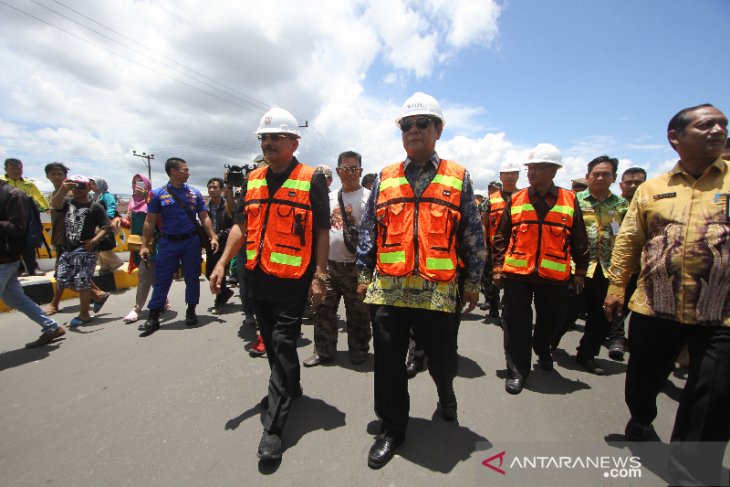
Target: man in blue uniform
(179,241)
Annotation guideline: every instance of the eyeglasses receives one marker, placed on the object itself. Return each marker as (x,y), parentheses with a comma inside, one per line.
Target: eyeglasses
(275,137)
(350,169)
(421,123)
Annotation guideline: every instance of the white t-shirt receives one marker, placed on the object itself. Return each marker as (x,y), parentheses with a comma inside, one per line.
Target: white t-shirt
(354,204)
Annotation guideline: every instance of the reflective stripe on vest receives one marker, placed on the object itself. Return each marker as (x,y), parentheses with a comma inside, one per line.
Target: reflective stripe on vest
(418,235)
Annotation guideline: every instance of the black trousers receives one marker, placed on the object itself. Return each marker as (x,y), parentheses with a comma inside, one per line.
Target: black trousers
(211,259)
(597,325)
(519,340)
(436,332)
(280,325)
(703,414)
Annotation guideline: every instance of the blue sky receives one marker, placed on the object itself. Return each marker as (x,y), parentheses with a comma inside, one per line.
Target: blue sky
(590,76)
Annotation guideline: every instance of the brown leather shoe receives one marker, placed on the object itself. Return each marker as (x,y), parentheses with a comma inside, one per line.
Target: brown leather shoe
(46,338)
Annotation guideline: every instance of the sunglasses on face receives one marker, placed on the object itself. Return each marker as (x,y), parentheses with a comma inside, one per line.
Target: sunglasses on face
(274,137)
(421,123)
(349,169)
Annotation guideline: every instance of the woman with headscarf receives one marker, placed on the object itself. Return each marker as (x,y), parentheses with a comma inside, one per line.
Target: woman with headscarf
(134,221)
(108,260)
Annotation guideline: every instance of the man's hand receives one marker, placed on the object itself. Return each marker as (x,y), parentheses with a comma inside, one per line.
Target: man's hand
(498,279)
(144,254)
(216,278)
(613,305)
(579,283)
(318,292)
(361,290)
(214,244)
(116,224)
(89,245)
(471,299)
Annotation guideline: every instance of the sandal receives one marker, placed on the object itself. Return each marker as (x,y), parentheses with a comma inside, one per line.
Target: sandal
(76,322)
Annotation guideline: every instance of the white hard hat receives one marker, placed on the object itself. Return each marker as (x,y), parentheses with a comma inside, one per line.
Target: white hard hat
(278,121)
(420,104)
(510,166)
(544,153)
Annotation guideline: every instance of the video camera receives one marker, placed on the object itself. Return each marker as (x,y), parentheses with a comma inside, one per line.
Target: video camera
(236,175)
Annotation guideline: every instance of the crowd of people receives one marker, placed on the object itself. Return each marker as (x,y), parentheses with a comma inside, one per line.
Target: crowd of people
(412,247)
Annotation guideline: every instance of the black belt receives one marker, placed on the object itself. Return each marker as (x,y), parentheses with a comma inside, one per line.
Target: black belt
(178,237)
(343,264)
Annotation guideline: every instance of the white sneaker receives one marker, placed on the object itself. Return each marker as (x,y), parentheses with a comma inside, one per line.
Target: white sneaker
(131,317)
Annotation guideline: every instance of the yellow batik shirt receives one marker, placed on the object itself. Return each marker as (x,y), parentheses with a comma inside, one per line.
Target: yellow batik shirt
(678,229)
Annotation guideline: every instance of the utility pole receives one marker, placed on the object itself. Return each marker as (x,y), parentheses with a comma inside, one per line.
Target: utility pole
(147,163)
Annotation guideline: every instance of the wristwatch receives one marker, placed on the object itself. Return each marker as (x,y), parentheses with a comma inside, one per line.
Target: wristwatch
(322,276)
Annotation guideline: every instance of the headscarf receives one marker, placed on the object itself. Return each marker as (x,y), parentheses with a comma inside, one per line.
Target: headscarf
(101,186)
(138,204)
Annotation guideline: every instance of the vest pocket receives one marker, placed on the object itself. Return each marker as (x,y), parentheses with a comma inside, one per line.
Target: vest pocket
(391,220)
(556,245)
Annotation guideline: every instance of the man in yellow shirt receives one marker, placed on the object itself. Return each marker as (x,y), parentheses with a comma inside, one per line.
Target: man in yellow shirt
(678,229)
(14,177)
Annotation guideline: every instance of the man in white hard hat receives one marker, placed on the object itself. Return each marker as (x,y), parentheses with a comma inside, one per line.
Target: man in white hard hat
(509,173)
(285,218)
(410,278)
(541,229)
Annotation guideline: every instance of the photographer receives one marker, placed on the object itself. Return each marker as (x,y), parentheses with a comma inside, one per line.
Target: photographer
(77,264)
(220,209)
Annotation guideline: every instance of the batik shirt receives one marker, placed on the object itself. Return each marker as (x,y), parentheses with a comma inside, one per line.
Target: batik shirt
(602,220)
(414,291)
(678,228)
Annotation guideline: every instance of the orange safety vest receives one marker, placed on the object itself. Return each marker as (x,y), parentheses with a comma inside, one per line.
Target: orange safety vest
(279,227)
(417,235)
(541,246)
(496,208)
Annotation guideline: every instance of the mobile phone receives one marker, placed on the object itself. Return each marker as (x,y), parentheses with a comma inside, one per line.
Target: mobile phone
(139,185)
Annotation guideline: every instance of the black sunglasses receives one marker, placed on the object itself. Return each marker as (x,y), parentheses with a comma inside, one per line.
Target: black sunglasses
(274,136)
(421,123)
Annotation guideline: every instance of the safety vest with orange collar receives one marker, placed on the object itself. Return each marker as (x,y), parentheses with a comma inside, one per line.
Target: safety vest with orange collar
(541,246)
(496,208)
(279,226)
(417,235)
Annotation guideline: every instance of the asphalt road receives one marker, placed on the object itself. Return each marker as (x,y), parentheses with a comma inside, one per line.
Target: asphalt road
(105,406)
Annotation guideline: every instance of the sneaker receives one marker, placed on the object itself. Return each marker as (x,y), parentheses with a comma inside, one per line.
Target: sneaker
(131,317)
(258,349)
(47,337)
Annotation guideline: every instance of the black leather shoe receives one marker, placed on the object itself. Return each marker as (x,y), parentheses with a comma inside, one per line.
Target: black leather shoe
(152,324)
(447,410)
(590,365)
(494,308)
(514,386)
(616,350)
(546,361)
(382,451)
(636,431)
(269,446)
(191,319)
(415,365)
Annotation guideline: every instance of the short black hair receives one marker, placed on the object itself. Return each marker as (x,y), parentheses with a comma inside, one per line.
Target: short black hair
(220,182)
(56,165)
(601,159)
(634,170)
(368,179)
(13,162)
(349,154)
(173,163)
(680,120)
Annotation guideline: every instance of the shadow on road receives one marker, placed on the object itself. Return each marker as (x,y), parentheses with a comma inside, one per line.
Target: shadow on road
(22,356)
(435,444)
